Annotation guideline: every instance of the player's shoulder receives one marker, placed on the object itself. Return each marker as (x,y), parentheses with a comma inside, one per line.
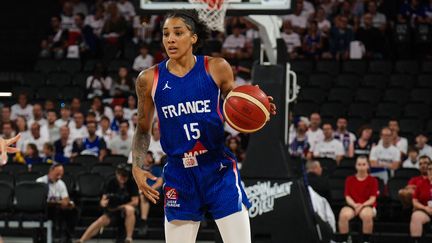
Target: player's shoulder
(217,62)
(145,77)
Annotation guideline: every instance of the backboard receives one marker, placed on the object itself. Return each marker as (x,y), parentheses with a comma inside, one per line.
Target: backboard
(235,7)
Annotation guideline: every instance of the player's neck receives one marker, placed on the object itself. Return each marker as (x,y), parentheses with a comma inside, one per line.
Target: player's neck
(182,65)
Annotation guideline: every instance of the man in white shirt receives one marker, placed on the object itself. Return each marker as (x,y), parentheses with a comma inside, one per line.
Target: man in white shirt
(65,116)
(104,130)
(77,129)
(400,142)
(292,39)
(345,137)
(60,207)
(35,138)
(412,160)
(22,108)
(329,147)
(384,157)
(422,146)
(234,43)
(314,134)
(38,116)
(50,130)
(298,21)
(126,9)
(155,145)
(144,60)
(379,20)
(96,21)
(122,143)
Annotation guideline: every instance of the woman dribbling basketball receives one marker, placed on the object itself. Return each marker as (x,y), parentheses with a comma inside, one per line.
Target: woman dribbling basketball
(201,172)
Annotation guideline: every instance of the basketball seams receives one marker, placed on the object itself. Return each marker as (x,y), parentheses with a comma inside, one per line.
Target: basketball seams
(236,127)
(235,108)
(251,99)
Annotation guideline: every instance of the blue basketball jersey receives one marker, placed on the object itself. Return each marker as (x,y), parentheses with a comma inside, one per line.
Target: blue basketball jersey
(189,110)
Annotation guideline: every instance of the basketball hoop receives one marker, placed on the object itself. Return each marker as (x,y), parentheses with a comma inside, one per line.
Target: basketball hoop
(212,13)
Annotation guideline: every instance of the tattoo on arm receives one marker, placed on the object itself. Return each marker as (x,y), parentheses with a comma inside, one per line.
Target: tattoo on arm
(140,145)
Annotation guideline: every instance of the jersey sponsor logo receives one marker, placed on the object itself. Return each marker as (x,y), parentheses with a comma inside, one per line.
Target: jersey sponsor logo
(198,149)
(263,194)
(171,197)
(166,86)
(189,162)
(197,106)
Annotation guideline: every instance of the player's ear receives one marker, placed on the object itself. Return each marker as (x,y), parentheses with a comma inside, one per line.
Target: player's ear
(194,39)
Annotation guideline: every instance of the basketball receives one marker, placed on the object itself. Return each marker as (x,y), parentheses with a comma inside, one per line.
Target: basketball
(246,108)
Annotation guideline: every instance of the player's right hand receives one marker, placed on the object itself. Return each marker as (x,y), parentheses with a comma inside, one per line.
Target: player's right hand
(141,177)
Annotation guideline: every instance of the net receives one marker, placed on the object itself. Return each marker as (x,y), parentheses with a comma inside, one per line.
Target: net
(213,13)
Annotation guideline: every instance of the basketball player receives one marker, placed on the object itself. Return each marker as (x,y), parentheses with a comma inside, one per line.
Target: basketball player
(200,172)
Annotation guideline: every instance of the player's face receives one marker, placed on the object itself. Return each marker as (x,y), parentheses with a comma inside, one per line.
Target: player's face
(177,38)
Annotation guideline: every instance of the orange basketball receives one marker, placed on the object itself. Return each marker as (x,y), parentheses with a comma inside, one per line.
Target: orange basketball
(246,108)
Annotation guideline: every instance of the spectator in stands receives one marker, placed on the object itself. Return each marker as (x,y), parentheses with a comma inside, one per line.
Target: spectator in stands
(340,38)
(48,105)
(65,116)
(156,170)
(96,21)
(328,6)
(406,193)
(361,191)
(63,146)
(422,203)
(384,158)
(49,156)
(422,146)
(60,208)
(126,9)
(50,130)
(80,39)
(104,130)
(292,40)
(91,117)
(98,107)
(314,133)
(364,144)
(411,161)
(118,117)
(121,144)
(345,9)
(118,201)
(400,142)
(79,7)
(379,20)
(22,108)
(298,21)
(346,137)
(55,40)
(324,24)
(233,144)
(143,27)
(131,107)
(6,114)
(316,179)
(299,146)
(123,85)
(144,60)
(234,44)
(371,37)
(99,83)
(35,138)
(31,155)
(75,105)
(77,129)
(329,147)
(67,20)
(22,128)
(411,12)
(91,145)
(155,145)
(37,116)
(114,29)
(312,42)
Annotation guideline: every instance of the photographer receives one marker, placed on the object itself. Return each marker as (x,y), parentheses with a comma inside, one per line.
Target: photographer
(119,201)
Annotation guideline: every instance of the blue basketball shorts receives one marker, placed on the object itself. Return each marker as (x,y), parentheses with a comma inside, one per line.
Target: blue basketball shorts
(211,182)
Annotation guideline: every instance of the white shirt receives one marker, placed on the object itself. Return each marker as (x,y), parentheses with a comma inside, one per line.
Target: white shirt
(107,136)
(291,40)
(232,42)
(120,146)
(60,122)
(308,9)
(402,144)
(128,113)
(39,142)
(141,63)
(426,150)
(98,83)
(56,191)
(322,207)
(95,24)
(17,110)
(328,149)
(51,133)
(76,133)
(314,137)
(325,24)
(156,148)
(385,155)
(41,122)
(296,21)
(127,10)
(379,20)
(67,22)
(24,137)
(408,163)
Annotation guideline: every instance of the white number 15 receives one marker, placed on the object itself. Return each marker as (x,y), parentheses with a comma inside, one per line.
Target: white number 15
(194,131)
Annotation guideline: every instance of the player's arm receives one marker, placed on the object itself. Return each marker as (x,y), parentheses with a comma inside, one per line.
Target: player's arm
(141,138)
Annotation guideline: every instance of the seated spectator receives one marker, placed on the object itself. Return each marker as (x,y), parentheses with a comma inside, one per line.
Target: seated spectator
(312,42)
(371,37)
(126,9)
(144,60)
(234,44)
(104,130)
(91,117)
(378,19)
(77,128)
(131,107)
(21,128)
(63,146)
(156,170)
(48,150)
(411,161)
(96,21)
(361,191)
(384,158)
(118,117)
(91,145)
(75,105)
(121,144)
(298,21)
(346,137)
(422,206)
(118,201)
(99,83)
(292,40)
(401,143)
(316,179)
(5,114)
(299,146)
(155,145)
(60,208)
(98,107)
(38,116)
(322,207)
(115,27)
(314,133)
(31,155)
(35,138)
(144,27)
(411,12)
(406,193)
(233,144)
(50,130)
(22,108)
(422,146)
(340,38)
(324,24)
(123,85)
(67,20)
(330,147)
(364,144)
(345,9)
(54,43)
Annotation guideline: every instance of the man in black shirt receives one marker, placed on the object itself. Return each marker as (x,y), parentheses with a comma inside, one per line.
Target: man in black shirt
(317,180)
(119,200)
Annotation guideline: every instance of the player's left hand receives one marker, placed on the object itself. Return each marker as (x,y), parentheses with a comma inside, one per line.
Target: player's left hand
(5,148)
(272,106)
